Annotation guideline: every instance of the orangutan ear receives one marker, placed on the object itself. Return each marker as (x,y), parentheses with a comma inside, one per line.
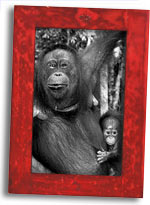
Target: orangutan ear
(93,57)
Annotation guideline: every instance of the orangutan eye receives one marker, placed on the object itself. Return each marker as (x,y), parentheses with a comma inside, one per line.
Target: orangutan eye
(52,64)
(107,132)
(114,132)
(64,64)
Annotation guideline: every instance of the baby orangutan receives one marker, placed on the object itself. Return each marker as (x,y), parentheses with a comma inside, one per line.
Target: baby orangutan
(111,131)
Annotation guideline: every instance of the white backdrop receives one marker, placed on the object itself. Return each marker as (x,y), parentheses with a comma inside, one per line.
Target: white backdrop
(6,38)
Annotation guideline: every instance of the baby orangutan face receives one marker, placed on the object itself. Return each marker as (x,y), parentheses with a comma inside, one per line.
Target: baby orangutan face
(110,130)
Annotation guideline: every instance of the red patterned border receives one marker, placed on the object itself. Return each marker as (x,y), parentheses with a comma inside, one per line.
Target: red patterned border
(135,22)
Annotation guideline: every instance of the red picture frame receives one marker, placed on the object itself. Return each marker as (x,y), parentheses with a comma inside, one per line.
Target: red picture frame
(130,183)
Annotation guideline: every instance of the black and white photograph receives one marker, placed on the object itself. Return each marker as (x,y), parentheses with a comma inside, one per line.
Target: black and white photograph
(78,105)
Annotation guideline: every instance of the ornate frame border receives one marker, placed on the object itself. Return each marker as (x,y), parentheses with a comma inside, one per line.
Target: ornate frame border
(136,23)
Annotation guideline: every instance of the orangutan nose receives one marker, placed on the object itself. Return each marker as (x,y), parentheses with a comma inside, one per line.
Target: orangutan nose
(58,74)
